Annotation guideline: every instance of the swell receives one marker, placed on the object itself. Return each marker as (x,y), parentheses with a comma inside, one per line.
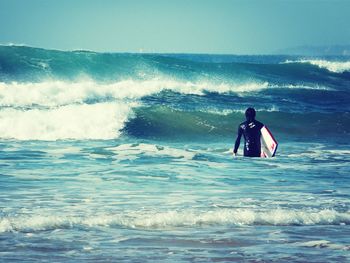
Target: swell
(26,64)
(110,120)
(166,123)
(50,95)
(53,110)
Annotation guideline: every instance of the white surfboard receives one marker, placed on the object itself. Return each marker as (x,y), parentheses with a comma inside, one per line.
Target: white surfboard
(268,143)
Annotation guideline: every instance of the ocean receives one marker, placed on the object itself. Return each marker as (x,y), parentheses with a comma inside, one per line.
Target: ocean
(118,157)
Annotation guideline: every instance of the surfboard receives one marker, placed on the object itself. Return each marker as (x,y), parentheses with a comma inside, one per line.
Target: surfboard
(268,143)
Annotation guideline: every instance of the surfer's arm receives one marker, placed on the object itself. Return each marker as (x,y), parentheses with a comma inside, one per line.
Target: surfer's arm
(238,140)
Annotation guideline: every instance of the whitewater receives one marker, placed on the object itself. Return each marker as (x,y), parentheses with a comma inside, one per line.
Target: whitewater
(128,157)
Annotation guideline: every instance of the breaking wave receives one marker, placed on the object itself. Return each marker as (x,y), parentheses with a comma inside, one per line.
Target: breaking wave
(111,119)
(332,66)
(234,217)
(164,122)
(54,95)
(57,93)
(97,121)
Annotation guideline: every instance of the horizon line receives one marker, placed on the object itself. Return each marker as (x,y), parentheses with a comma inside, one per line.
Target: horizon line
(10,44)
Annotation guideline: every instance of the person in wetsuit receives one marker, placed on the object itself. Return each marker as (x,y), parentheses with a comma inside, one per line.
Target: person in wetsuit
(250,129)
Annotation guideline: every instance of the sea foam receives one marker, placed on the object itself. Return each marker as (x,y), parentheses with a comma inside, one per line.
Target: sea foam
(127,151)
(155,220)
(333,66)
(96,121)
(56,93)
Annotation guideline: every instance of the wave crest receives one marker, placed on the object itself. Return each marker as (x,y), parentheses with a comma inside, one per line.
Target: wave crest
(97,121)
(55,93)
(191,218)
(332,66)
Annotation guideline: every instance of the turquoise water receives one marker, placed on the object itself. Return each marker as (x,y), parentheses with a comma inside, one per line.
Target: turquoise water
(133,163)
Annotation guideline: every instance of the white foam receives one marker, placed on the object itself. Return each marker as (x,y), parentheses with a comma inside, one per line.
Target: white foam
(333,66)
(132,150)
(316,87)
(56,93)
(59,93)
(322,153)
(97,121)
(138,219)
(225,112)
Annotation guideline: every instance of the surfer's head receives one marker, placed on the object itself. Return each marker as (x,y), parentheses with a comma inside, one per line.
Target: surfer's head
(250,114)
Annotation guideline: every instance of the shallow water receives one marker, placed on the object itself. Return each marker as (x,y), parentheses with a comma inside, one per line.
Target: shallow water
(116,200)
(134,162)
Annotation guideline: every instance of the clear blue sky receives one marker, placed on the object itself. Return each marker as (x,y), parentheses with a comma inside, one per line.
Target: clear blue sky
(186,26)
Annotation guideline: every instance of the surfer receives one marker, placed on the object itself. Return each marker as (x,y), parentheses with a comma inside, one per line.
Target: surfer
(251,132)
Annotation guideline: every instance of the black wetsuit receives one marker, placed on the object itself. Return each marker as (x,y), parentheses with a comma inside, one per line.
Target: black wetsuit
(251,132)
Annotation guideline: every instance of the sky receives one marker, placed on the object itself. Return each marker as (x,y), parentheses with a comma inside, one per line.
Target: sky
(175,26)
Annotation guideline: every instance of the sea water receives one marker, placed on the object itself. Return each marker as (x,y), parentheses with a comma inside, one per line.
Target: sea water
(128,158)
